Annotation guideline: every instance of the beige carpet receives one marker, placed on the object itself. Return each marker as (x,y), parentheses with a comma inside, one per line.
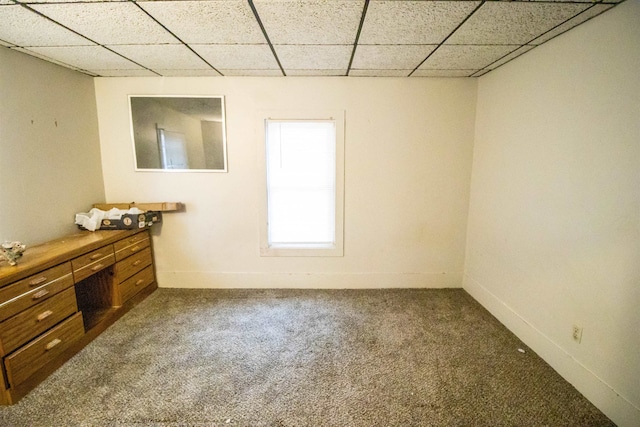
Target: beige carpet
(305,358)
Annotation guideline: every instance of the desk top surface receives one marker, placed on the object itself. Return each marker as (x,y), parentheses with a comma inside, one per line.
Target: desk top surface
(39,257)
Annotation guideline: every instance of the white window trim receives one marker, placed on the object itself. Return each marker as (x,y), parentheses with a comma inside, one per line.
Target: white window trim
(336,250)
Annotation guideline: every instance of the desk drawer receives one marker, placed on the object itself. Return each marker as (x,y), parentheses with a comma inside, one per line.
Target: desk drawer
(131,265)
(129,250)
(136,238)
(33,296)
(27,360)
(136,283)
(25,285)
(30,323)
(92,262)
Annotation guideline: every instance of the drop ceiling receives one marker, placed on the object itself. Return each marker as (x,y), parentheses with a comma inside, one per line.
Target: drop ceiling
(376,38)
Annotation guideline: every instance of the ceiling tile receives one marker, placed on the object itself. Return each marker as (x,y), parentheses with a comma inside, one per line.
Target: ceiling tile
(379,73)
(188,73)
(310,22)
(465,57)
(587,14)
(164,56)
(443,73)
(86,57)
(317,73)
(480,73)
(576,1)
(249,57)
(47,58)
(17,26)
(498,22)
(390,57)
(254,73)
(64,1)
(310,37)
(125,73)
(509,57)
(108,23)
(314,57)
(413,22)
(220,22)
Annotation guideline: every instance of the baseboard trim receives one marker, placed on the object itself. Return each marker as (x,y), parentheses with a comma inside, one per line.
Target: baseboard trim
(620,410)
(198,279)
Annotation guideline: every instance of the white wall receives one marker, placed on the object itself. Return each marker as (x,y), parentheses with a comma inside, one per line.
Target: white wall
(408,162)
(49,148)
(554,220)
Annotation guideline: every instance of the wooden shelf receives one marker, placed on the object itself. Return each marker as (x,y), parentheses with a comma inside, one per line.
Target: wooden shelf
(154,206)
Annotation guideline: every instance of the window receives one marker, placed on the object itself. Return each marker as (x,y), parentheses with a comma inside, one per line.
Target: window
(304,174)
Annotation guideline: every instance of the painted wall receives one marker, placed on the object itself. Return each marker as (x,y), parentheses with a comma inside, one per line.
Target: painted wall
(408,162)
(554,220)
(49,148)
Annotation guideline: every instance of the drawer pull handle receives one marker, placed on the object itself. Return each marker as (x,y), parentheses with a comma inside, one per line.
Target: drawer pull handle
(44,315)
(96,267)
(96,256)
(40,294)
(52,344)
(138,262)
(37,281)
(139,282)
(135,248)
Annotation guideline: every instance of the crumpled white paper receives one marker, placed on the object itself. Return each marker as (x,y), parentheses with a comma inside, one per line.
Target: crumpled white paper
(91,220)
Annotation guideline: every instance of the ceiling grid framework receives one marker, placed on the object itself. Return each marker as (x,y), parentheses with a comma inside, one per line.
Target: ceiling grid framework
(368,38)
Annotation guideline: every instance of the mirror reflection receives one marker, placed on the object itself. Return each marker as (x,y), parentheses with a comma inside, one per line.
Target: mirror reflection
(178,133)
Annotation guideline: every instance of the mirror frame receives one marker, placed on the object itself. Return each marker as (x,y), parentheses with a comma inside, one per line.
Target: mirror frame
(132,120)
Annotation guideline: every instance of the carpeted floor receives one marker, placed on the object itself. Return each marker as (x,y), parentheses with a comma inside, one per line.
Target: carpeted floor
(305,358)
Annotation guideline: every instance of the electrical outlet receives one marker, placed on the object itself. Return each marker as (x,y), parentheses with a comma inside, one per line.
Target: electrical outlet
(577,333)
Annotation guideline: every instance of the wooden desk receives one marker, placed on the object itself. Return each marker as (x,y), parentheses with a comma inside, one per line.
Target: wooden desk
(63,294)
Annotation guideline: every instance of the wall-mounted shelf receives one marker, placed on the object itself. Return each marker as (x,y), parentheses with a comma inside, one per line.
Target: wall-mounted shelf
(154,206)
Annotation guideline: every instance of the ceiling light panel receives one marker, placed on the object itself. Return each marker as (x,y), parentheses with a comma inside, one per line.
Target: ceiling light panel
(17,24)
(249,57)
(218,22)
(390,57)
(163,56)
(108,23)
(310,22)
(587,14)
(413,22)
(448,57)
(498,22)
(87,57)
(316,57)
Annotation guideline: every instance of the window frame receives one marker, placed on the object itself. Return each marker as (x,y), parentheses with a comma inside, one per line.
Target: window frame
(336,250)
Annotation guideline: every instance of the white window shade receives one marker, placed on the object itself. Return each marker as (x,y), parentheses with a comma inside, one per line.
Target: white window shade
(301,183)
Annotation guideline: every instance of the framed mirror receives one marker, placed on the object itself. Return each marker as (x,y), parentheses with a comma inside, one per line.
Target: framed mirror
(178,133)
